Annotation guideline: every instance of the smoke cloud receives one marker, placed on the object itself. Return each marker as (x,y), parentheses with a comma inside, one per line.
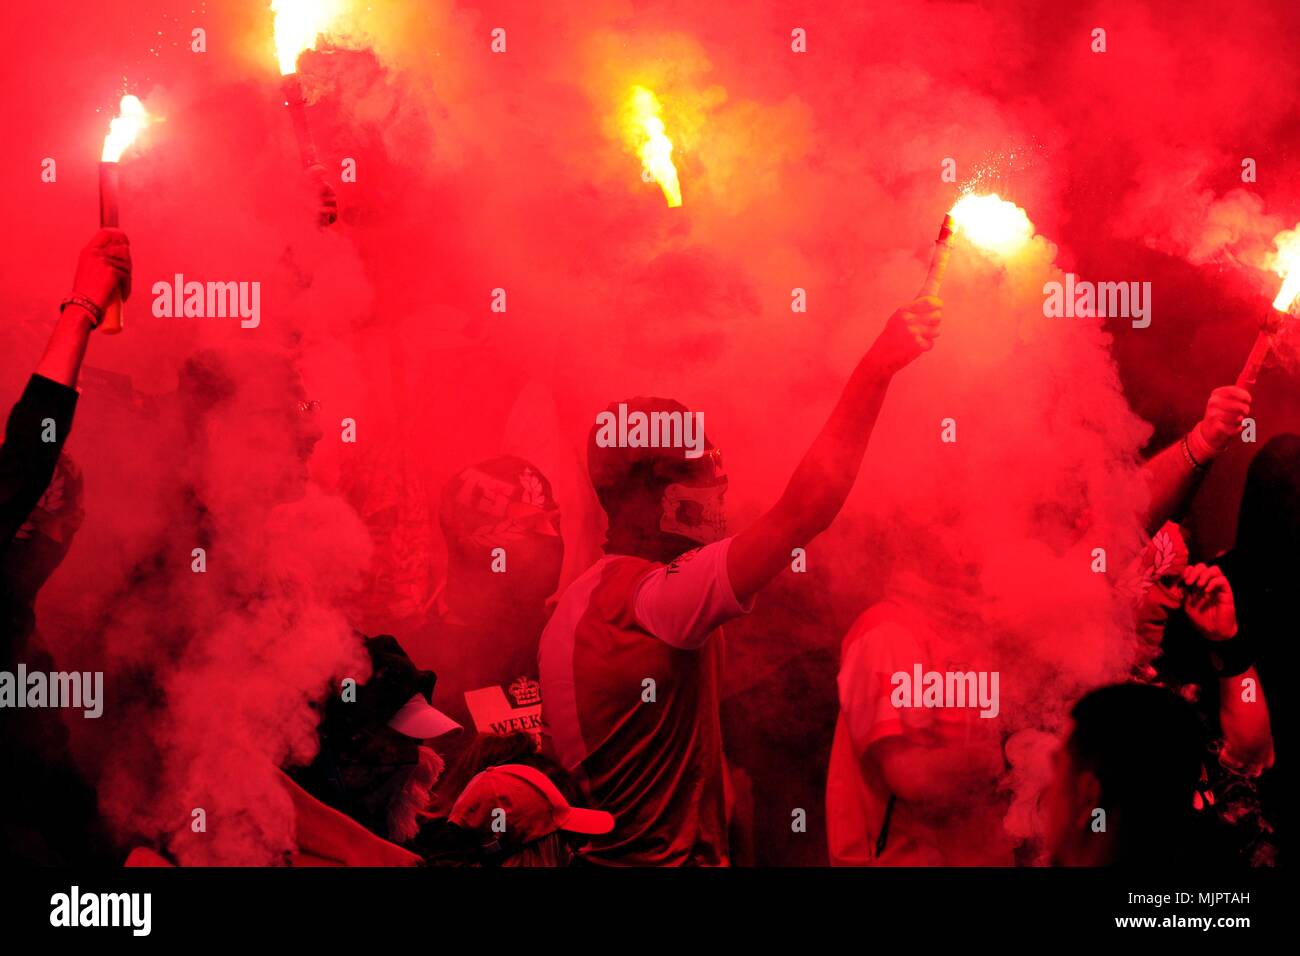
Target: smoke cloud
(479,171)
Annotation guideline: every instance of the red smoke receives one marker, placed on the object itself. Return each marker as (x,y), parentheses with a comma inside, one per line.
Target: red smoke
(479,171)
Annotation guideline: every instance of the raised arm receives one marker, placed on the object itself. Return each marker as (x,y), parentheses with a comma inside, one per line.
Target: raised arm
(1173,474)
(824,477)
(1243,716)
(103,269)
(39,423)
(1247,730)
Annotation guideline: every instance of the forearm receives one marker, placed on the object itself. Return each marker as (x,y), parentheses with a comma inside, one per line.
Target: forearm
(67,347)
(1170,479)
(34,436)
(823,479)
(819,486)
(1247,730)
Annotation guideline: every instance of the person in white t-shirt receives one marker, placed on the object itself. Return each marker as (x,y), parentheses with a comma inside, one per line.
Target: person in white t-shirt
(630,663)
(911,786)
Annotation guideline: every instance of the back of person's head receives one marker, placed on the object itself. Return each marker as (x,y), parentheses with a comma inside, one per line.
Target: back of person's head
(502,503)
(1145,745)
(657,476)
(496,501)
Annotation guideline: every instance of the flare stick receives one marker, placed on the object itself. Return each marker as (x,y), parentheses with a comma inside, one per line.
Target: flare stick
(939,258)
(1258,353)
(108,180)
(297,104)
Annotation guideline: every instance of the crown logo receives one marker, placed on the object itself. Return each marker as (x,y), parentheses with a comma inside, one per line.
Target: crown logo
(525,691)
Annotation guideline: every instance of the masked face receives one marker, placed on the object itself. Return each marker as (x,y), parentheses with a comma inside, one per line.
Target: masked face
(1159,592)
(697,512)
(694,501)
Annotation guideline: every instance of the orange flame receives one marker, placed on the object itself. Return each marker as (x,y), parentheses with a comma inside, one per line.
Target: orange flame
(297,25)
(646,135)
(992,223)
(124,128)
(1286,263)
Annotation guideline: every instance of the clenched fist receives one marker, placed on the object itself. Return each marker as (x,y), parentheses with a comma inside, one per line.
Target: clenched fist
(1224,412)
(1208,603)
(909,332)
(104,268)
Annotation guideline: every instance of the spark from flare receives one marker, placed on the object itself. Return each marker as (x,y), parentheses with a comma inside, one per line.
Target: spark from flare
(647,136)
(298,23)
(131,119)
(992,223)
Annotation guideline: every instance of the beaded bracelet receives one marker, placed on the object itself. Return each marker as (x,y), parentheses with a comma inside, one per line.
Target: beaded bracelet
(96,313)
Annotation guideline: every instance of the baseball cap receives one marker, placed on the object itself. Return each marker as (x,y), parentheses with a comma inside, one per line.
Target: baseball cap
(419,719)
(397,694)
(533,806)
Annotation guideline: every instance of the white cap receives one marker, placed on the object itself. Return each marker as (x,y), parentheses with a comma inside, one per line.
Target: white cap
(419,720)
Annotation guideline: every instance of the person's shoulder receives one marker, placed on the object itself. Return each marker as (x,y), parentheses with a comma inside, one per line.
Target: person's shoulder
(616,574)
(687,558)
(607,583)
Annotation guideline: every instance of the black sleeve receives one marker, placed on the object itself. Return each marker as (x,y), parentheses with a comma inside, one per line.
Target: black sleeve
(26,461)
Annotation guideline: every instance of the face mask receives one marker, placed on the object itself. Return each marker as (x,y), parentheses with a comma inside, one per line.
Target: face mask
(695,512)
(1157,573)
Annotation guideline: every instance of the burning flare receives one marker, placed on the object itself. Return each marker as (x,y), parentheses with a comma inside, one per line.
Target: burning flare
(1287,264)
(297,25)
(992,223)
(124,128)
(646,136)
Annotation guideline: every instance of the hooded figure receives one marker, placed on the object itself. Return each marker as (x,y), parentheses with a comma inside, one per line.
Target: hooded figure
(373,763)
(504,552)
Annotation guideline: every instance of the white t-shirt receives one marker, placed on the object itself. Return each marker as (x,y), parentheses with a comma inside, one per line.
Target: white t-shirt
(626,631)
(861,826)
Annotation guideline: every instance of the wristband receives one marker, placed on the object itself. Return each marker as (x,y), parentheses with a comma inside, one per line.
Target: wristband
(1232,657)
(96,313)
(1188,456)
(1201,450)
